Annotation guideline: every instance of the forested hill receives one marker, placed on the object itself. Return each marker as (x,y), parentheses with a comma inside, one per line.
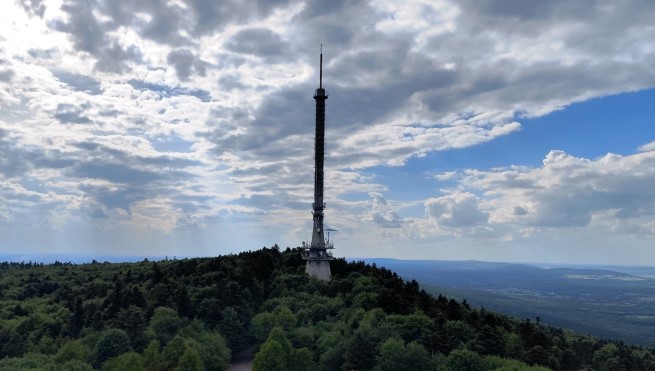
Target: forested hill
(192,314)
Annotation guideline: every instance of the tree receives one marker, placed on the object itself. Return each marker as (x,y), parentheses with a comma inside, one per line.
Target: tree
(183,302)
(214,353)
(332,358)
(395,356)
(73,350)
(270,357)
(173,351)
(152,359)
(164,324)
(190,361)
(391,356)
(607,358)
(112,343)
(233,329)
(416,357)
(132,320)
(488,341)
(465,360)
(458,333)
(77,321)
(262,324)
(361,351)
(301,360)
(130,361)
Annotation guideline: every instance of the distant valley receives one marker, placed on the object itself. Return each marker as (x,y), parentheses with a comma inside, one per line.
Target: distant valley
(612,302)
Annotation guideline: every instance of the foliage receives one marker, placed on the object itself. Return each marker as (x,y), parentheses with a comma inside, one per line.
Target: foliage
(395,356)
(271,357)
(112,343)
(191,314)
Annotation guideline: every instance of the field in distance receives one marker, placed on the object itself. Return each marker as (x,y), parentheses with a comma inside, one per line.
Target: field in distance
(611,302)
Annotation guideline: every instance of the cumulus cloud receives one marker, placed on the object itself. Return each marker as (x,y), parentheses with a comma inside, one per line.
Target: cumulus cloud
(259,42)
(647,147)
(124,110)
(456,210)
(381,214)
(186,63)
(70,114)
(569,191)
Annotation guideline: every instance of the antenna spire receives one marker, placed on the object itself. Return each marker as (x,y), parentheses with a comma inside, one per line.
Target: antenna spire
(320,79)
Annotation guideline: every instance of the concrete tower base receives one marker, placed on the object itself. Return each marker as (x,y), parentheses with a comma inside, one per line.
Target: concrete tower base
(319,269)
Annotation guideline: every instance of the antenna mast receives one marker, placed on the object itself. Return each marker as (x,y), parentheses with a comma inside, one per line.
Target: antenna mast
(316,253)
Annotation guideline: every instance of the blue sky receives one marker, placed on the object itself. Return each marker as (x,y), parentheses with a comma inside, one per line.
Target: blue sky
(617,124)
(491,130)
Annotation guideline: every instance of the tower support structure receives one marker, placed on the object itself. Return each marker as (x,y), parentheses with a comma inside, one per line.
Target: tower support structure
(317,253)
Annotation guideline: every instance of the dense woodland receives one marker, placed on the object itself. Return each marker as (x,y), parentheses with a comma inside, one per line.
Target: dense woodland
(192,314)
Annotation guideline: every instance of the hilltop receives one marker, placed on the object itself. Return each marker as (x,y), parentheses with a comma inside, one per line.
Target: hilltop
(192,314)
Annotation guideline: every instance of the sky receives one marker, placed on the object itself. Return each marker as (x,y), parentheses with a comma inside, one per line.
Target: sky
(500,130)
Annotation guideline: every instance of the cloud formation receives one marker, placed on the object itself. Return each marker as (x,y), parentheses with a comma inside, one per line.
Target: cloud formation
(381,214)
(456,210)
(193,115)
(567,191)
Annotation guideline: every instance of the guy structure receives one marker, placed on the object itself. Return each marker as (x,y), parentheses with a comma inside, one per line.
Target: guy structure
(316,253)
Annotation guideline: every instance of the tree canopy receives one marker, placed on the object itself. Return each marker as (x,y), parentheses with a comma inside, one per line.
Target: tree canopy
(192,314)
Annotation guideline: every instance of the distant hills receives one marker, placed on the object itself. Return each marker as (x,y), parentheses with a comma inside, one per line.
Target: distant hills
(606,301)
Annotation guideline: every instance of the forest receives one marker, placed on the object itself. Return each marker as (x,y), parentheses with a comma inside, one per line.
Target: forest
(193,314)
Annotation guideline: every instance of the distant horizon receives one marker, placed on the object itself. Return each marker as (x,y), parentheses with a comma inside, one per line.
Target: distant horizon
(50,258)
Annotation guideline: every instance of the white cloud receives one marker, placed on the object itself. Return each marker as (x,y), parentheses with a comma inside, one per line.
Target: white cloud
(456,210)
(647,147)
(381,214)
(569,191)
(170,114)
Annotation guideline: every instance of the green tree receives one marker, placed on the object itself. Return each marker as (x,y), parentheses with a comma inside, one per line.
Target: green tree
(607,358)
(301,360)
(233,329)
(285,318)
(190,361)
(73,350)
(173,351)
(392,356)
(277,334)
(214,353)
(112,343)
(164,324)
(332,358)
(132,320)
(30,361)
(361,351)
(488,341)
(152,359)
(262,324)
(73,365)
(417,357)
(464,360)
(395,356)
(539,355)
(271,357)
(130,361)
(458,333)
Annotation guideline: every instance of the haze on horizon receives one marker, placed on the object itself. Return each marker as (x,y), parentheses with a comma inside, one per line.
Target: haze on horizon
(497,130)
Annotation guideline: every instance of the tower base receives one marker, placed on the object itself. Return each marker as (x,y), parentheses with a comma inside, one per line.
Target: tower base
(319,269)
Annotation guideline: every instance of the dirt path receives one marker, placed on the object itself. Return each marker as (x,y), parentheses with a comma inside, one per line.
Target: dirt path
(242,361)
